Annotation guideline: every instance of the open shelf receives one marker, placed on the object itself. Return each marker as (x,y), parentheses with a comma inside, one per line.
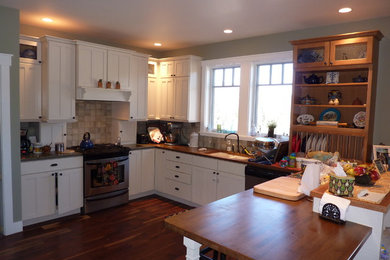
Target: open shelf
(88,93)
(329,130)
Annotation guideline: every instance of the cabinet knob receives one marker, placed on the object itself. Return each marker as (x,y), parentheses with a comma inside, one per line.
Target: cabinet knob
(217,173)
(177,157)
(163,151)
(60,174)
(65,134)
(74,117)
(54,164)
(176,188)
(130,153)
(325,63)
(52,174)
(40,117)
(177,167)
(40,62)
(176,176)
(213,172)
(131,117)
(330,63)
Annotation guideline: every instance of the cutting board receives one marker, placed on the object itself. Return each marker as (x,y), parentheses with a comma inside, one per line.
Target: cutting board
(282,187)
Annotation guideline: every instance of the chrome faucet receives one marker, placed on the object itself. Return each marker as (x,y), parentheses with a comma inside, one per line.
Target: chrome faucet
(238,141)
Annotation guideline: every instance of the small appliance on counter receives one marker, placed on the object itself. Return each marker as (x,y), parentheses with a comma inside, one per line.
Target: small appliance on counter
(171,133)
(86,143)
(25,143)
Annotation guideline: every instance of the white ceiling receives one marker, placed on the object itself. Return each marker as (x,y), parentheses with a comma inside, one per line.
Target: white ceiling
(184,23)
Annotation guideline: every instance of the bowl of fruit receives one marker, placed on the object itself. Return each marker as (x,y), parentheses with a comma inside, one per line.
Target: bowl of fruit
(365,174)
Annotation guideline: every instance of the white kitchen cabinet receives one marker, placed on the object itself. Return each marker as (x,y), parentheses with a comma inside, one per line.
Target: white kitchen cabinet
(38,195)
(160,169)
(39,191)
(141,171)
(126,130)
(30,91)
(91,64)
(153,98)
(220,180)
(118,68)
(180,88)
(70,192)
(139,87)
(58,79)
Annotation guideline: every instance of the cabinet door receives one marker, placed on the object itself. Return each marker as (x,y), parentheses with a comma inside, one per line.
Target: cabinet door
(166,69)
(70,190)
(38,195)
(30,91)
(167,98)
(153,98)
(134,172)
(229,184)
(139,87)
(147,170)
(311,54)
(60,89)
(181,98)
(204,185)
(160,169)
(351,51)
(118,69)
(91,65)
(182,68)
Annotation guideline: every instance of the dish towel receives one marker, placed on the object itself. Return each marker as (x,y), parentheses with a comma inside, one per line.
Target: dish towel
(310,179)
(341,203)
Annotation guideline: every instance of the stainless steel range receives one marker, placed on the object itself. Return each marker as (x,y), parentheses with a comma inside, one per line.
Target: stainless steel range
(106,176)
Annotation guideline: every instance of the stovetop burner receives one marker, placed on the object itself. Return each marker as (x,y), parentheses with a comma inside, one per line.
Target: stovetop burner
(102,151)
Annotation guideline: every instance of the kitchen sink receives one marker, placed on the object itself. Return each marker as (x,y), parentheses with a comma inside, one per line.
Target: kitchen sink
(229,156)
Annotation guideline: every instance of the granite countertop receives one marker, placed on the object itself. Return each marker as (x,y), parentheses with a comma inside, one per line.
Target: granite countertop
(47,156)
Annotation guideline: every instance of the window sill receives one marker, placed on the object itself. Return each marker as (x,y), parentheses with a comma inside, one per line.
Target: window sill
(242,137)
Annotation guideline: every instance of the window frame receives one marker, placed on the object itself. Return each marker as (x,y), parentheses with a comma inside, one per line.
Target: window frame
(212,87)
(248,82)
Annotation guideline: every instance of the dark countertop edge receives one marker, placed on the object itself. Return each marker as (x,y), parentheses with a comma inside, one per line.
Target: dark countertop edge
(208,153)
(51,155)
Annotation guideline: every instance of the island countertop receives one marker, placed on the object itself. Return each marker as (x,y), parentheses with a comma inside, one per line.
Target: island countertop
(248,225)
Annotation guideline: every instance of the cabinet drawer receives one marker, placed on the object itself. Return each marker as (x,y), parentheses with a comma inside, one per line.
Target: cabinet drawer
(180,167)
(178,189)
(205,162)
(231,167)
(179,157)
(51,165)
(179,176)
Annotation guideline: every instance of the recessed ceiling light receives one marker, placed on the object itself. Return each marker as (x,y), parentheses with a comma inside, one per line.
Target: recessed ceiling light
(157,44)
(345,10)
(47,19)
(228,31)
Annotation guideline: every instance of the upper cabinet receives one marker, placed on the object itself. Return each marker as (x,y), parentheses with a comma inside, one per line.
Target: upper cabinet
(30,79)
(139,87)
(58,79)
(179,89)
(355,48)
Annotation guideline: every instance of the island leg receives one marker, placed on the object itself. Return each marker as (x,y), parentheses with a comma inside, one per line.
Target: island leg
(193,248)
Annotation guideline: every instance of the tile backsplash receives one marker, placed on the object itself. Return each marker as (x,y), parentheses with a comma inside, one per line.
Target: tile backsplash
(93,117)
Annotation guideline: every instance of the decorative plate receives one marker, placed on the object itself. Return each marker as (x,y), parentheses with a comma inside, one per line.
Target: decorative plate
(305,119)
(359,120)
(330,114)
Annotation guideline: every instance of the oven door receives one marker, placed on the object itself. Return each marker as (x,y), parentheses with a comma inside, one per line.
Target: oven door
(106,175)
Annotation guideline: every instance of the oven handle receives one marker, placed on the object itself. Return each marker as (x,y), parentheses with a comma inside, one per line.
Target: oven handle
(107,195)
(99,163)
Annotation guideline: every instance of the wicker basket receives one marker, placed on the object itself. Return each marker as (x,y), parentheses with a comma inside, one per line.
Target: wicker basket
(341,186)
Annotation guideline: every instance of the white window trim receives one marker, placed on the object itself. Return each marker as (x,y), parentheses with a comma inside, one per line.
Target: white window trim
(248,66)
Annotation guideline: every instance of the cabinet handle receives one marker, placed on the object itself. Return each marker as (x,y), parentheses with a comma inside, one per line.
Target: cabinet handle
(213,172)
(74,117)
(40,62)
(65,134)
(177,167)
(54,164)
(331,63)
(176,188)
(130,153)
(217,173)
(163,151)
(176,176)
(60,174)
(177,157)
(325,63)
(52,174)
(131,117)
(40,117)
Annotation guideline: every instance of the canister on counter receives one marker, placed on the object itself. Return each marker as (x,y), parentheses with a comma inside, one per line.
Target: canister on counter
(59,147)
(37,148)
(292,162)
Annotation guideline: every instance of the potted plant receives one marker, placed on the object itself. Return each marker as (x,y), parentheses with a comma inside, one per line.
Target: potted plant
(271,128)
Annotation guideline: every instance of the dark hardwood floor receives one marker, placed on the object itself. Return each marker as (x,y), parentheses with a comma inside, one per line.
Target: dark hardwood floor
(133,231)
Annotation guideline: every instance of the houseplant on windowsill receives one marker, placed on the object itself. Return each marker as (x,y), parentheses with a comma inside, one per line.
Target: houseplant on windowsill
(271,128)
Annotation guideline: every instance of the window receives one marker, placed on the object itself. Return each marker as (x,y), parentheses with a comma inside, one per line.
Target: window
(225,99)
(273,97)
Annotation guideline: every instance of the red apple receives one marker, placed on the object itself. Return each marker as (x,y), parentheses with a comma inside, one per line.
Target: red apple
(374,175)
(359,171)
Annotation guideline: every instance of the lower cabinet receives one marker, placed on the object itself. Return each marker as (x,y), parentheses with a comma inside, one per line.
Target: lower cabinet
(51,187)
(210,184)
(160,169)
(141,171)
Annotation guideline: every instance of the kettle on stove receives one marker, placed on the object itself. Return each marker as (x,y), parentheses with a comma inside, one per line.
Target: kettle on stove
(86,143)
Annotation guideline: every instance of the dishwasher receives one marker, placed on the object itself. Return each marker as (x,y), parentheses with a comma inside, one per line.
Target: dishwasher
(255,175)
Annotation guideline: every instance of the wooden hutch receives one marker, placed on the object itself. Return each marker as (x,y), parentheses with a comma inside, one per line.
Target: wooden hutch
(345,65)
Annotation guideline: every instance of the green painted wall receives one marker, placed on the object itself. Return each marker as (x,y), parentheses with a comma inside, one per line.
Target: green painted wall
(280,42)
(9,43)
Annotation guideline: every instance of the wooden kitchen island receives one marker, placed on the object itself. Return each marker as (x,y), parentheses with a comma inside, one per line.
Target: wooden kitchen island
(248,225)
